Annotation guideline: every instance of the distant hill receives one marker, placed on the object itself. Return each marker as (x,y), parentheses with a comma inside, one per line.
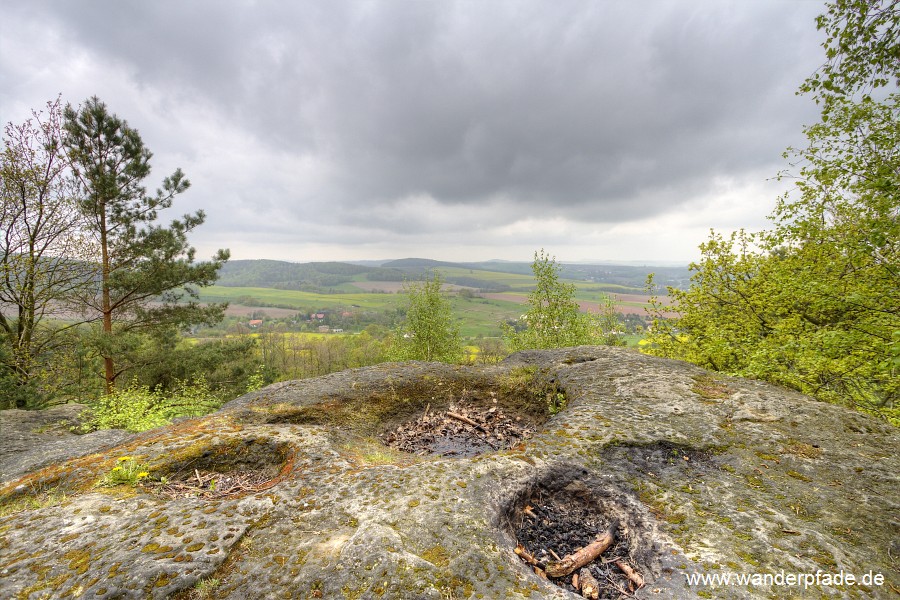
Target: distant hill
(420,266)
(627,276)
(413,263)
(288,276)
(321,276)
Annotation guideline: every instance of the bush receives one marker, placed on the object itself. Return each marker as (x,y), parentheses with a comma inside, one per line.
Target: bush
(224,366)
(554,318)
(138,408)
(429,332)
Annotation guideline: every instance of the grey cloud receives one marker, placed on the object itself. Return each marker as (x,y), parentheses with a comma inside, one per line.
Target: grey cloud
(597,111)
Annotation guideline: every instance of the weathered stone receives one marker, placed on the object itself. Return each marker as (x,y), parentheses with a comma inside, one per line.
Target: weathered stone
(34,438)
(706,475)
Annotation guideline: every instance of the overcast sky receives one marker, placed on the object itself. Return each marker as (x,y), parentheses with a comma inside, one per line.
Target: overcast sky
(455,130)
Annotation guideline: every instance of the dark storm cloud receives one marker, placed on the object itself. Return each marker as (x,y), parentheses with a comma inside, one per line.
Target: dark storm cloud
(598,111)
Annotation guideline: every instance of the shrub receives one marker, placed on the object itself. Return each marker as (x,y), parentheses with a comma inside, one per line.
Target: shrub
(429,332)
(138,408)
(554,318)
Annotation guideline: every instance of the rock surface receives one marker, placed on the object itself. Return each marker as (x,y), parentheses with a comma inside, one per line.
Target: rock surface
(706,475)
(34,438)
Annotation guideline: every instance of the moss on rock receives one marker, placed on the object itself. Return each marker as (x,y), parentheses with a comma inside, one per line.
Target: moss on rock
(707,473)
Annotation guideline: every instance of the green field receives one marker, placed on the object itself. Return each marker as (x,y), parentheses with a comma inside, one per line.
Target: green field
(475,316)
(513,280)
(480,316)
(301,301)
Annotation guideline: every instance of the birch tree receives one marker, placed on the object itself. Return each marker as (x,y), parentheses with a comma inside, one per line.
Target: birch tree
(41,251)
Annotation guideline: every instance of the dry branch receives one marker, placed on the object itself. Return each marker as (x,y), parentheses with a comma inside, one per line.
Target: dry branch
(217,485)
(465,419)
(589,586)
(623,593)
(524,555)
(583,556)
(630,573)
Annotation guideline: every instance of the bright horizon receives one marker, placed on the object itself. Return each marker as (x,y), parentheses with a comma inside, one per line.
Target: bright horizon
(529,260)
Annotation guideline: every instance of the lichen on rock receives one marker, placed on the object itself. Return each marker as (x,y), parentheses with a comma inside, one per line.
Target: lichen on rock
(706,474)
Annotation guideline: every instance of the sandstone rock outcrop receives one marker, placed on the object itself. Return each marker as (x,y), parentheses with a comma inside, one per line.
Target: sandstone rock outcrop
(34,438)
(289,492)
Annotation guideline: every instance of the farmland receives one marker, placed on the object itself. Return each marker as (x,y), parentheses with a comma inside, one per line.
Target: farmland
(354,296)
(475,316)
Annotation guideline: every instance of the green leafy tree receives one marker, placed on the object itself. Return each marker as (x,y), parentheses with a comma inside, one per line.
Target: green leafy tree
(39,247)
(429,332)
(147,274)
(862,49)
(723,313)
(166,360)
(554,318)
(814,303)
(606,326)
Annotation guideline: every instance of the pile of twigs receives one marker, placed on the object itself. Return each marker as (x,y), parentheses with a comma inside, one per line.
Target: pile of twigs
(592,558)
(209,485)
(469,426)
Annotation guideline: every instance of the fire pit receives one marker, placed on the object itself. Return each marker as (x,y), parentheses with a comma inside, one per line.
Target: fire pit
(583,534)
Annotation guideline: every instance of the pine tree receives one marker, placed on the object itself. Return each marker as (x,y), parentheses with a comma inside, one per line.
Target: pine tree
(146,276)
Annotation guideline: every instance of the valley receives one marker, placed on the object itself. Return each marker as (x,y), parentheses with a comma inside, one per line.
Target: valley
(350,297)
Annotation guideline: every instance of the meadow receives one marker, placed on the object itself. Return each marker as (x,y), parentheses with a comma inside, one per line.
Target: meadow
(477,313)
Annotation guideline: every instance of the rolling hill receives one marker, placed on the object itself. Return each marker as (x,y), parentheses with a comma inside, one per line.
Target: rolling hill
(489,276)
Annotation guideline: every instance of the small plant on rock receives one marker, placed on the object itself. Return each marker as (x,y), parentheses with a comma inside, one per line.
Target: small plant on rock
(205,589)
(126,472)
(556,402)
